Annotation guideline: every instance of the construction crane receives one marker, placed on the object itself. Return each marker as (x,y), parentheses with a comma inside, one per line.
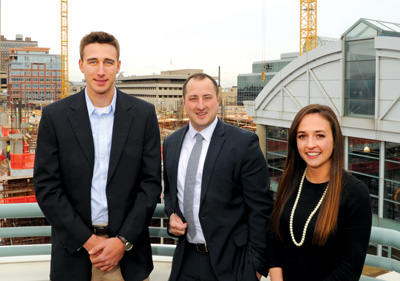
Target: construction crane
(64,49)
(308,25)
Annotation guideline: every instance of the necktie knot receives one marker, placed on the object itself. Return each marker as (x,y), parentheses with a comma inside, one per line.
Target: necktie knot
(199,137)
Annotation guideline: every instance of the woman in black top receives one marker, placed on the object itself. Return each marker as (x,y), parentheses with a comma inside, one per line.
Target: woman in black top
(321,221)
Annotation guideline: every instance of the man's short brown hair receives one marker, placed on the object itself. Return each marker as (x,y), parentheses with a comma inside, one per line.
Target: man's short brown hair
(98,37)
(199,76)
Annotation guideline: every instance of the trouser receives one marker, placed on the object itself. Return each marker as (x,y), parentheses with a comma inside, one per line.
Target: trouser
(196,266)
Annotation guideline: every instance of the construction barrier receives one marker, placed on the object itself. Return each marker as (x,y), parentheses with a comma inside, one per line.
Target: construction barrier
(6,132)
(22,161)
(21,199)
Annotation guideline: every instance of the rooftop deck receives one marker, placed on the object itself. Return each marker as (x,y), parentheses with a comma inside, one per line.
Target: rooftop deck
(32,262)
(37,268)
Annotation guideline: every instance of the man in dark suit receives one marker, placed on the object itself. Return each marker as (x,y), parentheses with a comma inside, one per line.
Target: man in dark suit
(97,173)
(219,211)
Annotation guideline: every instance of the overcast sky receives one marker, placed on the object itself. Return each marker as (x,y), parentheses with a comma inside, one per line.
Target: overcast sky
(163,35)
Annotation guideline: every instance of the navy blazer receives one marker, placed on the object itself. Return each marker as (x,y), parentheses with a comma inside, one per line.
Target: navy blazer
(235,201)
(62,179)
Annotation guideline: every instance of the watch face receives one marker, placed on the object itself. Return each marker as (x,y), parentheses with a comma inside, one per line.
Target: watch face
(128,246)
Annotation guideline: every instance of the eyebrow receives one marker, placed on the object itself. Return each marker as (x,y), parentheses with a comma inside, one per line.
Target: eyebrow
(317,131)
(106,59)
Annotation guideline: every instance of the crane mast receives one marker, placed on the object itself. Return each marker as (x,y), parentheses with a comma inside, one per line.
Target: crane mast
(308,25)
(64,49)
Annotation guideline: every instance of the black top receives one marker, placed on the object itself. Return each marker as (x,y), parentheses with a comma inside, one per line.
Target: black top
(342,257)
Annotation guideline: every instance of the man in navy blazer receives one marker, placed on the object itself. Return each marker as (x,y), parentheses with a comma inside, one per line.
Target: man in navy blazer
(97,173)
(231,199)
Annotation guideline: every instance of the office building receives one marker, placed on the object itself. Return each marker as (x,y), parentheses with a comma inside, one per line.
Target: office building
(163,90)
(359,78)
(34,75)
(18,43)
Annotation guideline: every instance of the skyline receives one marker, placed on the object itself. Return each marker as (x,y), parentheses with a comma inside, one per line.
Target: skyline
(159,35)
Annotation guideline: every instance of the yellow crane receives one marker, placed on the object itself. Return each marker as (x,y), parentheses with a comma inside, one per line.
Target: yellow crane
(64,49)
(308,25)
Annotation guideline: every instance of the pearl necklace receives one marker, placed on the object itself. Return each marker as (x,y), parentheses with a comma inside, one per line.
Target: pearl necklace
(309,218)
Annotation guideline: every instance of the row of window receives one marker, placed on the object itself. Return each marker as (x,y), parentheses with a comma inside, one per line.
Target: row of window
(34,73)
(36,86)
(38,95)
(363,163)
(14,65)
(34,79)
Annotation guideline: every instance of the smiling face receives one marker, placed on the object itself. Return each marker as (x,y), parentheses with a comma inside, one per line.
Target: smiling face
(100,65)
(315,142)
(201,103)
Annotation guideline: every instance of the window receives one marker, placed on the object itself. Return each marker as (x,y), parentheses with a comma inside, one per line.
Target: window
(391,205)
(364,165)
(360,79)
(276,152)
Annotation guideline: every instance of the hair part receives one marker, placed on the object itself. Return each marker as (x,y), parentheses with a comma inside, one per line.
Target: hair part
(100,37)
(294,167)
(199,76)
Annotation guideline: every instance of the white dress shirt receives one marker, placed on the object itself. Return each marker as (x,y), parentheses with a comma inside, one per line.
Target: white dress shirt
(187,147)
(102,122)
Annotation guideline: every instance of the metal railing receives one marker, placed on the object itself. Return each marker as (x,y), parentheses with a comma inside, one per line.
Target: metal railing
(379,236)
(32,210)
(384,237)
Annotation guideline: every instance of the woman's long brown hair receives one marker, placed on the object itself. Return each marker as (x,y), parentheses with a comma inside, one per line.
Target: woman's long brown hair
(293,171)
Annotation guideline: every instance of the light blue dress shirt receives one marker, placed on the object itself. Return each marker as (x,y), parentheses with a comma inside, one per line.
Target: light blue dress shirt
(102,122)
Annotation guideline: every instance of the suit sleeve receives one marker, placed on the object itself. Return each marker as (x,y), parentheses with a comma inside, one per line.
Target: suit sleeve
(150,183)
(49,189)
(258,200)
(168,204)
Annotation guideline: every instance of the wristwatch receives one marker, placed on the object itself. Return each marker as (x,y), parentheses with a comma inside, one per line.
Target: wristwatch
(128,245)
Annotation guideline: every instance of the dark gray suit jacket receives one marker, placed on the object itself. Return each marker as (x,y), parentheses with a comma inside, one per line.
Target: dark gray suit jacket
(63,173)
(235,201)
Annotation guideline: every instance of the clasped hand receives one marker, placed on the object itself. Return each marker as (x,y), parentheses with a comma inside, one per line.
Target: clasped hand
(105,253)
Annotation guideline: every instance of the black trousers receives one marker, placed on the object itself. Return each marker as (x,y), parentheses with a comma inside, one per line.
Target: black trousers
(196,266)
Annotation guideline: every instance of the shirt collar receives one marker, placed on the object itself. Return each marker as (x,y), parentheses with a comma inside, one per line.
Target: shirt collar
(206,133)
(91,108)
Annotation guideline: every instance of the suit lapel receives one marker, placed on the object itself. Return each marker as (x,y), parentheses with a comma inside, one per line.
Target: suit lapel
(175,152)
(80,124)
(123,118)
(217,140)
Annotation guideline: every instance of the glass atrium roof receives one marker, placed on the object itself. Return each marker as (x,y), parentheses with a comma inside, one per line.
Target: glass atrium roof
(367,28)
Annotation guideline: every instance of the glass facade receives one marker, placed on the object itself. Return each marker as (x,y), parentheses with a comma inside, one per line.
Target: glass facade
(364,165)
(276,152)
(362,30)
(360,79)
(392,182)
(250,85)
(34,70)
